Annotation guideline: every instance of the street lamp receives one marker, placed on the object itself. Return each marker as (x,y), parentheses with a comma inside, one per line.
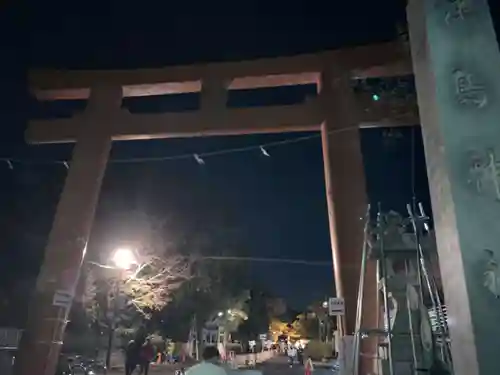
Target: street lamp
(123,260)
(320,317)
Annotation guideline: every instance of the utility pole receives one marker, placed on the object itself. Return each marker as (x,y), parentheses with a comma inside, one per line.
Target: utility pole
(115,293)
(196,339)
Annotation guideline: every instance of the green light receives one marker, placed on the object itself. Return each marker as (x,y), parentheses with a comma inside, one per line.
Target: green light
(375,97)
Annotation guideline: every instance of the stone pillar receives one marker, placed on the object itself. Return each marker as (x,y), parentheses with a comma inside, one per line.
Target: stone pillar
(345,358)
(457,71)
(43,337)
(347,202)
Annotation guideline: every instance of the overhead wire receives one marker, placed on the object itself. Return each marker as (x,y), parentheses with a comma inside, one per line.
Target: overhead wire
(199,157)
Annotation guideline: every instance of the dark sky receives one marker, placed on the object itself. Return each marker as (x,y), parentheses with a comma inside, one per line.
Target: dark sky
(276,204)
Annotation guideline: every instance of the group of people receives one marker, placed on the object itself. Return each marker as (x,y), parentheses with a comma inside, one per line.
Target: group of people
(294,355)
(297,355)
(139,353)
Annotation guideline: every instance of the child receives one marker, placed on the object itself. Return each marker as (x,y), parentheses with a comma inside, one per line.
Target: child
(309,368)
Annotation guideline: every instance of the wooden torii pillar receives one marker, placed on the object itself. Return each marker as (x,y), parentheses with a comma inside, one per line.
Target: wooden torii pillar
(337,112)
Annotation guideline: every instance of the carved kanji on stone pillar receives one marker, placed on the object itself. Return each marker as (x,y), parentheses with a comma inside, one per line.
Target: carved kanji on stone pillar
(457,73)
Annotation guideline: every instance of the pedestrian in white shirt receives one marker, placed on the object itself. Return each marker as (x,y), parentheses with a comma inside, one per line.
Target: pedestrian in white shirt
(292,354)
(209,365)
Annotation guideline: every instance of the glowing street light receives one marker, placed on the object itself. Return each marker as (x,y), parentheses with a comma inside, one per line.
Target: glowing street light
(220,313)
(124,258)
(325,304)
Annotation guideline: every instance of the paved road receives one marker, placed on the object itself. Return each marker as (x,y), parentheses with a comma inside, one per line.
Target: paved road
(275,366)
(153,370)
(279,366)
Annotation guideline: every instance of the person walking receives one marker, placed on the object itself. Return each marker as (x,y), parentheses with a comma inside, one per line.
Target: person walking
(308,368)
(292,354)
(146,355)
(300,355)
(131,357)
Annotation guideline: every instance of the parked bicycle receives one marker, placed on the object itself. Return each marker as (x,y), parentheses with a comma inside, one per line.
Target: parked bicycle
(83,366)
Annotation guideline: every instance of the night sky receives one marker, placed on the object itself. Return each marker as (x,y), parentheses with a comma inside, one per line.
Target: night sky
(272,206)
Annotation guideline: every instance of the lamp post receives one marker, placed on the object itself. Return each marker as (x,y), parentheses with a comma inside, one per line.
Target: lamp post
(123,259)
(323,322)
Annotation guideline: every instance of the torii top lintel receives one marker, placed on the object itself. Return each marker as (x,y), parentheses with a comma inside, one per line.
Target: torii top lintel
(213,118)
(388,59)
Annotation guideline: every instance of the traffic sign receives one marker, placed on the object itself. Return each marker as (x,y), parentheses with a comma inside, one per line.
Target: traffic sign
(62,298)
(336,306)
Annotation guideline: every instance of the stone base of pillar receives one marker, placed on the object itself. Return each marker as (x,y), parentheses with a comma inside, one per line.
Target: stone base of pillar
(345,356)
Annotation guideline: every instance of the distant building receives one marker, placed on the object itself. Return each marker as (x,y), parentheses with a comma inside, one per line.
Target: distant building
(212,334)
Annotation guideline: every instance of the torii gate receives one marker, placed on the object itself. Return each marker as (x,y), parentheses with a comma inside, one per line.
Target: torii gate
(335,108)
(456,62)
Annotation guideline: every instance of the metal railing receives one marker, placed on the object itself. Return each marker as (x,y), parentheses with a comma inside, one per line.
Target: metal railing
(359,309)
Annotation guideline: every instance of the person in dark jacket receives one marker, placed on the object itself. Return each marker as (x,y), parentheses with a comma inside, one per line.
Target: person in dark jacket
(132,354)
(146,355)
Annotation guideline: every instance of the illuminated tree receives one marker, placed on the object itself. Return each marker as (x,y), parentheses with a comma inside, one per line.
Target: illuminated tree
(152,285)
(127,296)
(279,328)
(214,288)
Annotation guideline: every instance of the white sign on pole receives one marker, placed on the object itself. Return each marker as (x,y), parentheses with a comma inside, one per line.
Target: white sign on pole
(336,306)
(62,298)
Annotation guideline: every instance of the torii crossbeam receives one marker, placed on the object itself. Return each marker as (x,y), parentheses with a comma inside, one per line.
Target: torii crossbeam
(214,81)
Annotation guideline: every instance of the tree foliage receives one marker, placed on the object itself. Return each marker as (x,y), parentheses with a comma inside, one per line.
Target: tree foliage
(111,295)
(151,286)
(214,287)
(127,297)
(176,283)
(261,308)
(310,324)
(278,327)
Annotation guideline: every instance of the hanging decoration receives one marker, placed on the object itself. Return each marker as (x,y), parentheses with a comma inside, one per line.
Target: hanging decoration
(264,152)
(199,160)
